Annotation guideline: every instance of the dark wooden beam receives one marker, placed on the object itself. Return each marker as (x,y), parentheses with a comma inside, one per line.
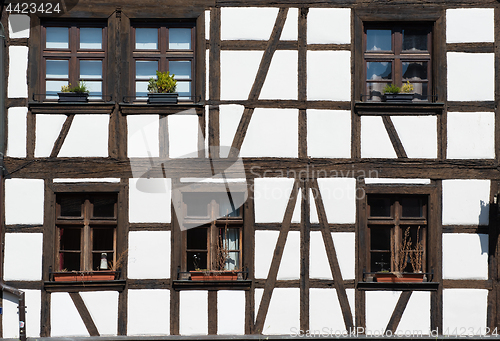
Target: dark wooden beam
(84,313)
(394,137)
(62,136)
(398,311)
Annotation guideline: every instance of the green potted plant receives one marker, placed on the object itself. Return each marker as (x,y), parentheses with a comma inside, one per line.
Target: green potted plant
(162,89)
(79,93)
(393,93)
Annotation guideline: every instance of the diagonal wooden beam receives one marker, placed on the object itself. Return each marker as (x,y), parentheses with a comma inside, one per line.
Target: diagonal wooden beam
(265,62)
(398,311)
(84,313)
(62,136)
(393,135)
(278,253)
(332,257)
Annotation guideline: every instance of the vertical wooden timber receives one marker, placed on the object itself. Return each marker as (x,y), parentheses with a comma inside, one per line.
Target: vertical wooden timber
(439,70)
(249,256)
(436,255)
(332,257)
(305,238)
(163,137)
(121,249)
(113,79)
(34,54)
(492,316)
(214,83)
(84,313)
(123,77)
(361,256)
(398,311)
(497,82)
(175,246)
(302,80)
(30,135)
(357,87)
(200,67)
(265,63)
(48,255)
(277,255)
(212,312)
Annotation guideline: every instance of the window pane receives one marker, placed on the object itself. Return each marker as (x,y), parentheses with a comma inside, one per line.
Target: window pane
(378,40)
(379,207)
(96,260)
(179,38)
(197,239)
(146,38)
(71,206)
(412,207)
(102,239)
(231,238)
(414,40)
(414,71)
(69,261)
(420,90)
(380,238)
(184,90)
(145,69)
(378,70)
(69,239)
(375,91)
(91,38)
(233,261)
(91,69)
(196,261)
(141,89)
(181,69)
(197,204)
(415,252)
(57,69)
(53,87)
(380,261)
(104,206)
(95,88)
(57,38)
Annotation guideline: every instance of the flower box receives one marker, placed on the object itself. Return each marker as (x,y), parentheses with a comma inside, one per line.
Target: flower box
(74,276)
(170,98)
(73,96)
(401,97)
(214,275)
(406,278)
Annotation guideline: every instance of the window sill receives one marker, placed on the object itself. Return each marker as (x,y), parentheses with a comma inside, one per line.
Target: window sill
(212,284)
(71,107)
(143,108)
(72,286)
(374,108)
(417,286)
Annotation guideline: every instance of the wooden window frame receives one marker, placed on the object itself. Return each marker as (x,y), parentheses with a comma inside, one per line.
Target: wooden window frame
(163,54)
(73,54)
(397,56)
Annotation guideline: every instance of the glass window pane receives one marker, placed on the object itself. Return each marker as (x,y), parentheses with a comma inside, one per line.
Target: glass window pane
(233,261)
(146,38)
(69,239)
(414,40)
(378,40)
(231,238)
(91,38)
(69,261)
(71,206)
(53,87)
(197,204)
(184,90)
(414,71)
(96,260)
(380,238)
(179,38)
(378,70)
(141,89)
(375,91)
(180,68)
(104,206)
(412,207)
(102,239)
(91,69)
(146,69)
(380,261)
(57,69)
(379,207)
(197,238)
(196,260)
(420,91)
(57,38)
(95,89)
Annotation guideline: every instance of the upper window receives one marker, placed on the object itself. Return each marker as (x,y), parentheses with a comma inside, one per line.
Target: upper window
(163,48)
(73,53)
(397,54)
(397,233)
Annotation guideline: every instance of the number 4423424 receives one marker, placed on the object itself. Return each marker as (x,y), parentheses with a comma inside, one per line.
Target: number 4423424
(31,7)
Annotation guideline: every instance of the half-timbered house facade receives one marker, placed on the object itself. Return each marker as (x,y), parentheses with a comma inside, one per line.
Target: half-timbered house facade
(283,171)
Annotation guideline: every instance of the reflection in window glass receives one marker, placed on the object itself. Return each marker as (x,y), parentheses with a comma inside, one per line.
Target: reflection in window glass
(414,71)
(414,40)
(71,206)
(379,207)
(181,69)
(179,38)
(378,40)
(57,68)
(91,38)
(91,69)
(57,38)
(378,70)
(53,87)
(146,38)
(145,69)
(375,91)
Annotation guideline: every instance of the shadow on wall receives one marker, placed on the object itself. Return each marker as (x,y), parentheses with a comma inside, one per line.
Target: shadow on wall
(483,218)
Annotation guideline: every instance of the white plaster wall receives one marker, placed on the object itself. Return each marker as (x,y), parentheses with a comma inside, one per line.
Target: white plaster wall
(272,133)
(207,25)
(83,180)
(281,79)
(149,200)
(148,254)
(464,308)
(265,243)
(207,76)
(64,318)
(375,142)
(329,75)
(271,197)
(466,202)
(143,136)
(329,133)
(471,135)
(48,128)
(18,65)
(283,313)
(229,119)
(290,262)
(10,317)
(471,76)
(313,213)
(469,25)
(339,199)
(290,30)
(148,312)
(379,307)
(19,26)
(297,211)
(24,201)
(193,312)
(325,314)
(329,26)
(417,314)
(183,132)
(23,256)
(418,134)
(319,266)
(465,256)
(238,70)
(16,134)
(374,181)
(230,312)
(345,245)
(103,307)
(87,136)
(240,23)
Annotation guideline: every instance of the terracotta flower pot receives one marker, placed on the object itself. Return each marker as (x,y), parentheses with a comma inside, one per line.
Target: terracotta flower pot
(214,276)
(84,276)
(392,278)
